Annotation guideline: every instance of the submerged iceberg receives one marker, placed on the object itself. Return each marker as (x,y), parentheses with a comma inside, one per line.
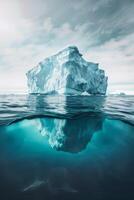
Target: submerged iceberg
(69,135)
(67,73)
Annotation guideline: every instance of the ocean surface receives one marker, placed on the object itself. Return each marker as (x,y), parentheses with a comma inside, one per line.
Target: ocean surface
(66,147)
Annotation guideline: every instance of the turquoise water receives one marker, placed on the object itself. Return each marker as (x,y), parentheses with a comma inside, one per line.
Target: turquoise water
(66,148)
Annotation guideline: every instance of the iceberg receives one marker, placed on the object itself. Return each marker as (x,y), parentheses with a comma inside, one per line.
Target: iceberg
(67,72)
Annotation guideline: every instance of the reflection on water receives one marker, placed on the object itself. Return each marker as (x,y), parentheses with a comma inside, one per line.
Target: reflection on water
(88,157)
(65,106)
(18,106)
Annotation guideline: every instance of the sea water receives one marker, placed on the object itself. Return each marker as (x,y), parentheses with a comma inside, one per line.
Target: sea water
(66,147)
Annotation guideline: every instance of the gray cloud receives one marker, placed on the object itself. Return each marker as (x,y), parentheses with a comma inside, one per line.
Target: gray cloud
(106,19)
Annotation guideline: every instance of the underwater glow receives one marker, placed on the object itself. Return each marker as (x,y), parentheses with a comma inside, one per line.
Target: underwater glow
(70,147)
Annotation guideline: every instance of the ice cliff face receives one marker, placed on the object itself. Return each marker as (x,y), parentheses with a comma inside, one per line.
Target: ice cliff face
(67,73)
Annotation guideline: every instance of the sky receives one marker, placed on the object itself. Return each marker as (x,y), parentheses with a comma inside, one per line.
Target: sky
(31,30)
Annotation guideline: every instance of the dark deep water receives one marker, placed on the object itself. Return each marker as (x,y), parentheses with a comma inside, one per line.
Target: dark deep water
(72,148)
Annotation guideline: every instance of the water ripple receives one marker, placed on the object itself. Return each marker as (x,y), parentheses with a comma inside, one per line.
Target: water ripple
(15,107)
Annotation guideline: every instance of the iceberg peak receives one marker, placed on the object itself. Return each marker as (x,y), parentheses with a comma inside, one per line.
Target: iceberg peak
(67,73)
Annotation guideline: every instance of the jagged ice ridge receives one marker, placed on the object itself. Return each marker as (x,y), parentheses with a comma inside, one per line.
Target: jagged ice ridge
(67,73)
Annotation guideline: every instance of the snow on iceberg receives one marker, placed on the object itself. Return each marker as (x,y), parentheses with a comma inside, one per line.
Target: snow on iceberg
(67,73)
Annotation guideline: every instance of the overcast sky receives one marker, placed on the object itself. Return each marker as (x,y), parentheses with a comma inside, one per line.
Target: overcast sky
(103,30)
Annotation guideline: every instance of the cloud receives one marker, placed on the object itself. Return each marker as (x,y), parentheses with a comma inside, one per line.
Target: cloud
(116,57)
(47,25)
